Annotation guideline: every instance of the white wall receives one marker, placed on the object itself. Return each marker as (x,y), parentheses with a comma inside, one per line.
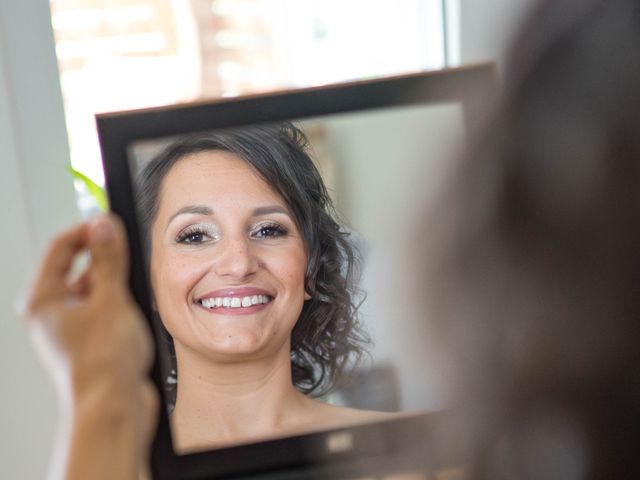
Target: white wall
(389,163)
(486,27)
(37,199)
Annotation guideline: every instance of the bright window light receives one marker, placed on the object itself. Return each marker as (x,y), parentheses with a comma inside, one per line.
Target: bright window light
(127,54)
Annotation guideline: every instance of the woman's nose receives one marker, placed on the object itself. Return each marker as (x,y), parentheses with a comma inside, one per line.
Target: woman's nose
(235,259)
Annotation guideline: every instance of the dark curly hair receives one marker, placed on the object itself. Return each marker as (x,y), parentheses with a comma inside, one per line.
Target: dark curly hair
(327,339)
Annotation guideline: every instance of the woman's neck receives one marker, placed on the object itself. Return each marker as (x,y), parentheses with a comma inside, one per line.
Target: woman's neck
(222,403)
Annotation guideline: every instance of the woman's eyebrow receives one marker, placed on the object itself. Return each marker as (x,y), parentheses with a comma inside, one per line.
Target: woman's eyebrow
(206,210)
(267,210)
(193,209)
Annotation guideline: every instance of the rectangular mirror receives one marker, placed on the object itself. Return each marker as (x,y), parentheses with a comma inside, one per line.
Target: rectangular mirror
(244,272)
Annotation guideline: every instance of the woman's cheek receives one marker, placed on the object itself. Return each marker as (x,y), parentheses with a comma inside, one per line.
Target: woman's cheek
(181,274)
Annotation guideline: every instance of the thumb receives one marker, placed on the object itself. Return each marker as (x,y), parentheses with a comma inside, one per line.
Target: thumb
(108,248)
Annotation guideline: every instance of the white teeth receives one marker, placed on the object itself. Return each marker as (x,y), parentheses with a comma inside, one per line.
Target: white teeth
(234,302)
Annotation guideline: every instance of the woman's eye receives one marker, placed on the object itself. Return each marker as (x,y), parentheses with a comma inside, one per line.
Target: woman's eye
(269,231)
(193,236)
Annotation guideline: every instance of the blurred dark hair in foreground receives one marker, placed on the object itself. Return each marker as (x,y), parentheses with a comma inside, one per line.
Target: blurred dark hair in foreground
(534,264)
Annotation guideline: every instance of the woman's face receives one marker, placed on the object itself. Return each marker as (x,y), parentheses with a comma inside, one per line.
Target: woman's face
(227,260)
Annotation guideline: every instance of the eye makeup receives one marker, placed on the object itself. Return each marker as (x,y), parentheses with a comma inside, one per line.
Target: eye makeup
(268,229)
(198,234)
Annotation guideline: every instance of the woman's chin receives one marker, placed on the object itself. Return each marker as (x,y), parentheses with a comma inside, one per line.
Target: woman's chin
(237,346)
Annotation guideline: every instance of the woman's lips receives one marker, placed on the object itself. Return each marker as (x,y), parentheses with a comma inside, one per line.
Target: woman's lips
(235,300)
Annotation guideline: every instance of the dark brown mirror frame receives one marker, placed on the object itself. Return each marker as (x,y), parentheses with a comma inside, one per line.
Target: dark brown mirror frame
(389,446)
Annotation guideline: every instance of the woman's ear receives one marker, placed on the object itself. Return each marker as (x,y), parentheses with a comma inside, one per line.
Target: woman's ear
(309,288)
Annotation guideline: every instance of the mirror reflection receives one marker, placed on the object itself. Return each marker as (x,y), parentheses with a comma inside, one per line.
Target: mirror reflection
(275,261)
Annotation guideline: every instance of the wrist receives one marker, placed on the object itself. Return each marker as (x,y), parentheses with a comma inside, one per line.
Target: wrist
(105,399)
(105,433)
(107,382)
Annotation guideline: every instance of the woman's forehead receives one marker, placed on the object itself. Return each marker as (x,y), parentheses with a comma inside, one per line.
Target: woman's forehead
(215,175)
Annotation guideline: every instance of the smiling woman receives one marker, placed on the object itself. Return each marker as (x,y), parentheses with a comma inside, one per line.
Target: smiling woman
(254,281)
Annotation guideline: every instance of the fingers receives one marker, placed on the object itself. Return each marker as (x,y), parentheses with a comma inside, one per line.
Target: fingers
(105,239)
(80,286)
(51,280)
(109,253)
